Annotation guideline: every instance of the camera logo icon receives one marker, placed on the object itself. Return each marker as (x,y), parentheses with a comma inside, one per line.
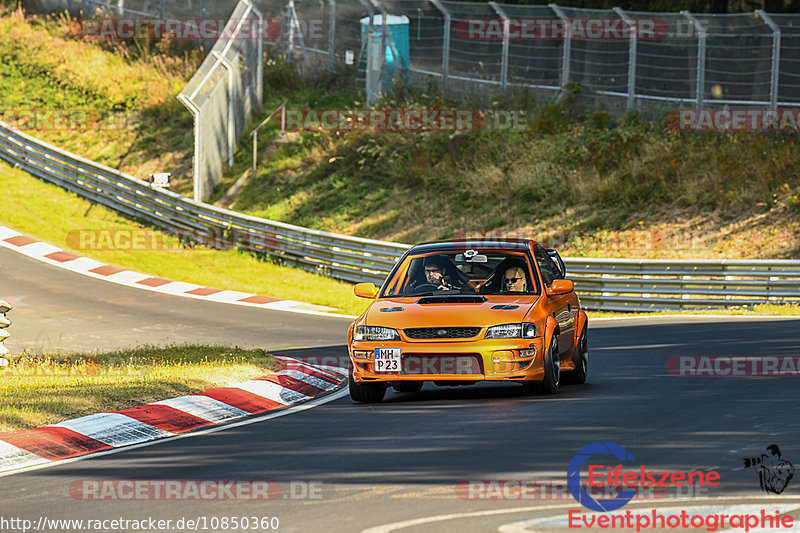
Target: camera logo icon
(774,472)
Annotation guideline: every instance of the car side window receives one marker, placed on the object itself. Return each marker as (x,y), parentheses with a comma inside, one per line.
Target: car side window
(547,267)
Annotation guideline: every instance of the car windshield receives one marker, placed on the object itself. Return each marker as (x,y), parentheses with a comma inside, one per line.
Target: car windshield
(455,272)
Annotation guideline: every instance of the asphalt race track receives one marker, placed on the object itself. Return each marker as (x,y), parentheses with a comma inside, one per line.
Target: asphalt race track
(405,464)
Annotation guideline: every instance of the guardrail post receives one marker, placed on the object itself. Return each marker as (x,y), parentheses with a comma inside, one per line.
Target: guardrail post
(446,43)
(295,22)
(331,34)
(504,58)
(198,145)
(701,57)
(231,127)
(633,38)
(566,51)
(5,307)
(260,51)
(776,58)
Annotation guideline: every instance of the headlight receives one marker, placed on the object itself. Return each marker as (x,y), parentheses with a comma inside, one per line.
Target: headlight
(375,333)
(525,330)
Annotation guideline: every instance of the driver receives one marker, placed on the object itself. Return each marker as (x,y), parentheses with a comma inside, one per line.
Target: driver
(434,273)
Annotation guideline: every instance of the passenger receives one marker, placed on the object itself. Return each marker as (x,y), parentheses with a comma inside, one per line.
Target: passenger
(514,280)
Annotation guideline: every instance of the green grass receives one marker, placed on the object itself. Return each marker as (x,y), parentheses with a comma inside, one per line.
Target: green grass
(125,90)
(40,390)
(48,212)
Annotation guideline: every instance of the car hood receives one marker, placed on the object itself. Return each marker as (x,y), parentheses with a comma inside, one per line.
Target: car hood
(495,310)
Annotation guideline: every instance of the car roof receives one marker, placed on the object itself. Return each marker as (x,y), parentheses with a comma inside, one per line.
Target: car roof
(466,244)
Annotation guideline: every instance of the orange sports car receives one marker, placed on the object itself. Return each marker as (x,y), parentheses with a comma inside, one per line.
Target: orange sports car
(457,313)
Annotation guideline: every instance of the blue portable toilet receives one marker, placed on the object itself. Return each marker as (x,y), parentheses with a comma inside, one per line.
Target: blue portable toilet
(398,30)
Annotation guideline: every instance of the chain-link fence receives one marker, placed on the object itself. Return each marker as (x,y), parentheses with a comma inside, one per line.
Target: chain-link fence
(748,59)
(225,91)
(223,94)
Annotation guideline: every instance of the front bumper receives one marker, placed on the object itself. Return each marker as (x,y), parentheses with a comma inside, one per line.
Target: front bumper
(475,360)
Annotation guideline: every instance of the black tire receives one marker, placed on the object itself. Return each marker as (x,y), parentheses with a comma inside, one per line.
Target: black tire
(552,373)
(366,392)
(408,386)
(581,360)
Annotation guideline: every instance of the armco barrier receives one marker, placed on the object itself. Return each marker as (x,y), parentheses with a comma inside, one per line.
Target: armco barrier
(347,258)
(655,285)
(612,284)
(5,307)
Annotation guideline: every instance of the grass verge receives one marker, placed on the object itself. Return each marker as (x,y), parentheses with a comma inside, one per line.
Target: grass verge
(35,391)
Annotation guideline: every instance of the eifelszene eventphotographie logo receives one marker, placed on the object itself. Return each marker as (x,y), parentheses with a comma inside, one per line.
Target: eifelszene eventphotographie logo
(630,479)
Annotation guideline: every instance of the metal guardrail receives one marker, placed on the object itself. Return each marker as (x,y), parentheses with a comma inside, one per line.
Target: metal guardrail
(654,285)
(340,256)
(612,284)
(5,307)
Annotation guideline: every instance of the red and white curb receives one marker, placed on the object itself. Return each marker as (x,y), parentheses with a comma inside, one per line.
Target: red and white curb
(295,383)
(53,255)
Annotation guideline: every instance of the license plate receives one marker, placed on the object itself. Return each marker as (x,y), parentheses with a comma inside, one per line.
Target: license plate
(387,360)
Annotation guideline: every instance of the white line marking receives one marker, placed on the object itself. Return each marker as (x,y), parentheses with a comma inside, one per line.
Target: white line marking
(310,380)
(7,233)
(271,391)
(114,429)
(13,457)
(204,407)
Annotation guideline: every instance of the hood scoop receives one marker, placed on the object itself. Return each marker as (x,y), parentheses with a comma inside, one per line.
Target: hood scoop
(505,306)
(454,299)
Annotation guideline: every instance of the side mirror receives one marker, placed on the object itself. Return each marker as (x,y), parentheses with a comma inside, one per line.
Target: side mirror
(561,286)
(367,290)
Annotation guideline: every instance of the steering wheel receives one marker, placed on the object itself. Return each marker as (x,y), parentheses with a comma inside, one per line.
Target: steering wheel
(425,287)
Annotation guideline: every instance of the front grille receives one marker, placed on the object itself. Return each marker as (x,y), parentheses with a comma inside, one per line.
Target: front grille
(442,363)
(441,333)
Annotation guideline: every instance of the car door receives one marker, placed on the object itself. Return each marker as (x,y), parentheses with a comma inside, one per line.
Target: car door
(564,306)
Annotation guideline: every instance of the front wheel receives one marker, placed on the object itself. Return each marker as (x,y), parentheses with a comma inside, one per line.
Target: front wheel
(581,360)
(366,392)
(552,373)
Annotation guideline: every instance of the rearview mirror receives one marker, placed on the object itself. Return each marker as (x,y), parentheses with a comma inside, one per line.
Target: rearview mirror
(561,286)
(366,290)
